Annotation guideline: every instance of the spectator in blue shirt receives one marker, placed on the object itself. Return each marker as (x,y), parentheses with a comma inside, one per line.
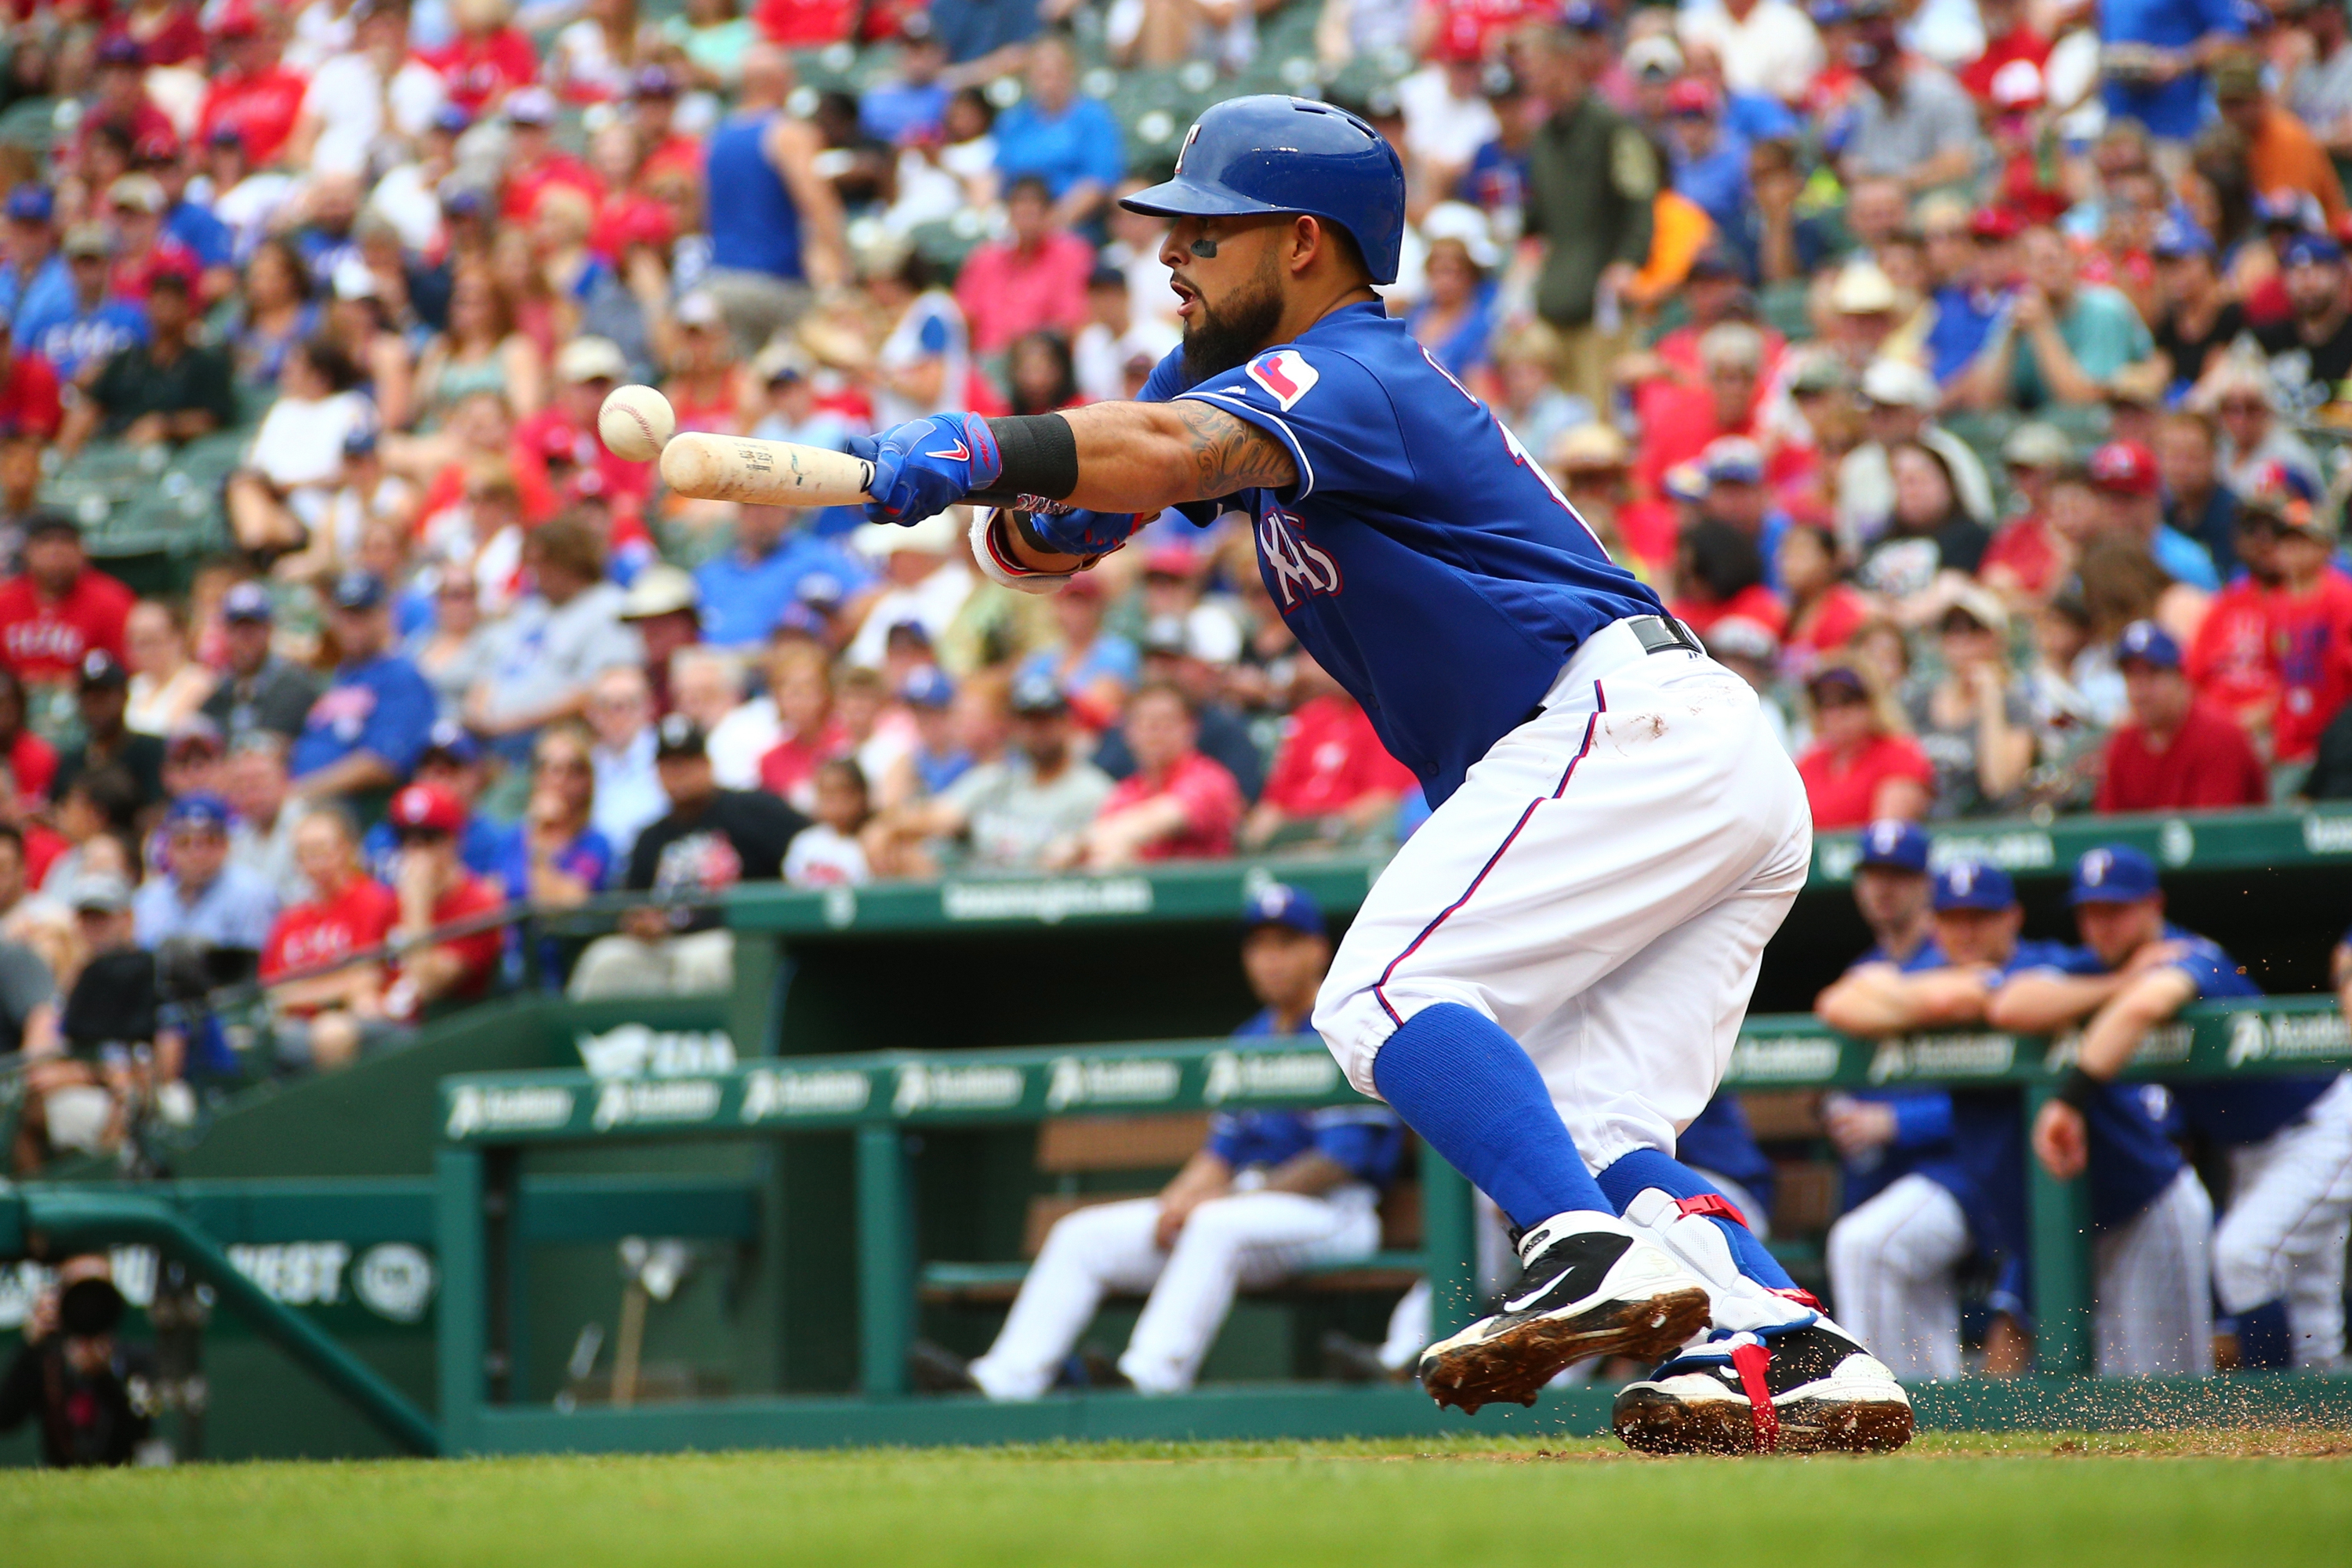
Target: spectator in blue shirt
(201,897)
(1968,304)
(2153,55)
(368,728)
(35,280)
(1071,142)
(451,760)
(1270,1191)
(744,590)
(911,102)
(1710,163)
(81,332)
(985,38)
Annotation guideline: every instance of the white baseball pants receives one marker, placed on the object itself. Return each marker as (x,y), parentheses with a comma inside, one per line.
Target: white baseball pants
(2289,1219)
(1893,1265)
(1601,885)
(2155,1302)
(1245,1239)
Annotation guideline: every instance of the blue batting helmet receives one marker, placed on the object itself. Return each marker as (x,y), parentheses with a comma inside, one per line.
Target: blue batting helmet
(1270,153)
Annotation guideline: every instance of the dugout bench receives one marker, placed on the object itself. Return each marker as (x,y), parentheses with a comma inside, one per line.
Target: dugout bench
(887,1099)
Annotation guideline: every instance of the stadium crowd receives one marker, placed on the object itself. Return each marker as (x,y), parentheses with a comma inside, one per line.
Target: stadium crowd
(1961,371)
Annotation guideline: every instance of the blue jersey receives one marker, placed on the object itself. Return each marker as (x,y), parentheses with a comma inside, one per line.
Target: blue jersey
(1718,1143)
(1923,1142)
(73,339)
(1423,557)
(381,706)
(741,600)
(2129,1124)
(1367,1140)
(2235,1110)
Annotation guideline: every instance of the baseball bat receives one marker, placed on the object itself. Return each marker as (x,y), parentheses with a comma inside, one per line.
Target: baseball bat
(764,473)
(783,473)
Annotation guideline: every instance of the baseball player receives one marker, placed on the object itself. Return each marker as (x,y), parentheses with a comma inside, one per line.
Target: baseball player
(2289,1139)
(1932,1176)
(1615,834)
(1269,1191)
(2155,1302)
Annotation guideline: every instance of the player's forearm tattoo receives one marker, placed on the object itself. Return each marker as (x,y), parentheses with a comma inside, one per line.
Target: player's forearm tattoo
(1230,454)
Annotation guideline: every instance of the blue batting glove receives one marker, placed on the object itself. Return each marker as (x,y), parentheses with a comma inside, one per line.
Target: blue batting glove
(925,465)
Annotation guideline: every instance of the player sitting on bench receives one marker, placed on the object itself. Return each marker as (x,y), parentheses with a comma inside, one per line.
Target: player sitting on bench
(1272,1190)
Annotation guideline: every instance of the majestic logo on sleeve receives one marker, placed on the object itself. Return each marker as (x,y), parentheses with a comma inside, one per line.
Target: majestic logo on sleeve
(1285,375)
(1300,570)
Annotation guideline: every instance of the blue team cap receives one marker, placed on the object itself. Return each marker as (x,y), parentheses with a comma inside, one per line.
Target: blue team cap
(798,619)
(248,602)
(1283,905)
(928,687)
(2311,250)
(2113,874)
(1973,885)
(449,738)
(205,813)
(1893,843)
(1829,13)
(821,590)
(1583,17)
(357,591)
(31,203)
(2148,643)
(2176,238)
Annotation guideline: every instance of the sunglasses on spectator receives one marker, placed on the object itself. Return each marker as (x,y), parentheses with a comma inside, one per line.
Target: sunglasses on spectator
(564,765)
(1959,624)
(2242,405)
(1828,696)
(407,836)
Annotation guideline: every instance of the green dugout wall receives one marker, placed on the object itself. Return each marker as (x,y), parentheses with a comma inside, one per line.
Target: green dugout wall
(304,1184)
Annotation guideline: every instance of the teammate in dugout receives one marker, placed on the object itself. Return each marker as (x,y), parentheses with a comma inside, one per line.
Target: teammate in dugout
(1615,834)
(1932,1176)
(2289,1138)
(1270,1190)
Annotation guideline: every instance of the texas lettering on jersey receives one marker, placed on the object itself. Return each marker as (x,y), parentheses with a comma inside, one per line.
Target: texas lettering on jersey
(1298,570)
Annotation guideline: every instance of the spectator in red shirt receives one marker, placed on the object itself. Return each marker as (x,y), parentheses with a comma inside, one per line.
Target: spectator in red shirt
(2008,37)
(2027,558)
(122,106)
(2229,660)
(2176,753)
(253,93)
(1861,765)
(326,1020)
(1177,805)
(31,762)
(28,391)
(534,162)
(1720,572)
(1332,780)
(1824,609)
(2310,630)
(1033,280)
(1678,421)
(487,60)
(434,888)
(60,607)
(142,250)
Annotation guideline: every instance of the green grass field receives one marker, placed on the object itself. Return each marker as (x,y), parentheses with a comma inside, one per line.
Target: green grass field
(1985,1501)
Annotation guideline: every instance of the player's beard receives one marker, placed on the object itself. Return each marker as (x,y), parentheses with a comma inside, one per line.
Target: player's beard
(1216,341)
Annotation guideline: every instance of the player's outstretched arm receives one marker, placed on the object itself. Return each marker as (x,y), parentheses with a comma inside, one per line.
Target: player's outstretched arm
(2040,1000)
(2116,1030)
(1146,457)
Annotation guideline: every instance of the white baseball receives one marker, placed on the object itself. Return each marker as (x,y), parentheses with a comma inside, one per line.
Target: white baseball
(636,421)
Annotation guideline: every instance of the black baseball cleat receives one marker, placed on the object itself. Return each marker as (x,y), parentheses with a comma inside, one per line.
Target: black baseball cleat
(1589,1287)
(1807,1389)
(935,1368)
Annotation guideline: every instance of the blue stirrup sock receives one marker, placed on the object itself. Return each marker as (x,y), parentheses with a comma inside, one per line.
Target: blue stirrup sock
(1635,1173)
(1465,1086)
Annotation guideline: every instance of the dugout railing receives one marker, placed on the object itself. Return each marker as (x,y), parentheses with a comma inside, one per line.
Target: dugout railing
(886,1100)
